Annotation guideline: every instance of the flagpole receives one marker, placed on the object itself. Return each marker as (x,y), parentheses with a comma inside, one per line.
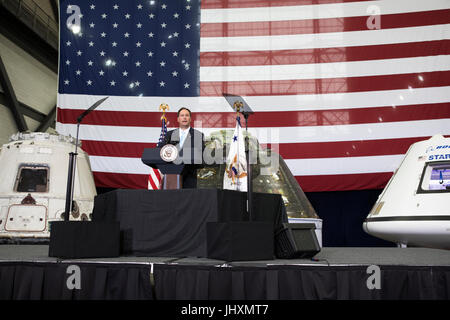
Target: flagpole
(238,106)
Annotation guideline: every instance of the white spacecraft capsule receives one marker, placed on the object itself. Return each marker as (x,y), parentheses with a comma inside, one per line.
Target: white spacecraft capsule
(33,185)
(414,207)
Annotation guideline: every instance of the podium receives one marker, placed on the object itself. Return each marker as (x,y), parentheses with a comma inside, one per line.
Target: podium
(172,172)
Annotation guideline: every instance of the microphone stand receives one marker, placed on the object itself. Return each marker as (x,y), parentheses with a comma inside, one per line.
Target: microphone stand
(72,163)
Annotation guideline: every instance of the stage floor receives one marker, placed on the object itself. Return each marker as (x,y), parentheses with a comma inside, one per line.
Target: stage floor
(331,256)
(27,272)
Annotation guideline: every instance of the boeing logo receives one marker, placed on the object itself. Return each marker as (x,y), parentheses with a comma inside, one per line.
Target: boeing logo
(431,148)
(439,157)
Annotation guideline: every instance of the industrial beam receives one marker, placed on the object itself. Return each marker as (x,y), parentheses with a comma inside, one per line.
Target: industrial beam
(48,121)
(25,109)
(24,37)
(55,9)
(11,99)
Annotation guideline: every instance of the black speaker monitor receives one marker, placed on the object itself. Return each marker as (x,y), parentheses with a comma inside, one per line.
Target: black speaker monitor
(296,240)
(239,240)
(84,239)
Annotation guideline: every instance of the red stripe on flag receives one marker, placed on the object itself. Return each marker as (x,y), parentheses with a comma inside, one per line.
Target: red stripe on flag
(152,183)
(338,149)
(120,180)
(343,182)
(158,175)
(307,183)
(115,149)
(301,150)
(268,119)
(328,85)
(219,4)
(314,26)
(325,55)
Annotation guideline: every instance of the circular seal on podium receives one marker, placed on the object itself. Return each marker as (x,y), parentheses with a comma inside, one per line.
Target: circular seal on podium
(169,153)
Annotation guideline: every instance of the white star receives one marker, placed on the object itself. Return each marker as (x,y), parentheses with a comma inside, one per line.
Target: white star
(127,16)
(115,7)
(163,44)
(186,66)
(162,63)
(66,82)
(175,34)
(79,53)
(138,63)
(149,74)
(114,44)
(92,25)
(89,82)
(113,63)
(188,26)
(102,53)
(125,54)
(101,72)
(138,44)
(90,63)
(162,84)
(78,72)
(104,16)
(139,25)
(176,15)
(174,74)
(125,73)
(150,54)
(139,6)
(188,7)
(115,25)
(187,45)
(127,35)
(164,6)
(150,35)
(137,83)
(68,62)
(186,85)
(91,44)
(68,43)
(92,7)
(163,25)
(113,83)
(175,54)
(103,34)
(151,15)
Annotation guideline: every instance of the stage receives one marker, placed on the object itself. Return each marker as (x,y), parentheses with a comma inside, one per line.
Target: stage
(28,273)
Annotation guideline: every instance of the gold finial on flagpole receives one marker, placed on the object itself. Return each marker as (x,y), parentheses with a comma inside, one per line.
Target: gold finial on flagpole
(238,105)
(163,107)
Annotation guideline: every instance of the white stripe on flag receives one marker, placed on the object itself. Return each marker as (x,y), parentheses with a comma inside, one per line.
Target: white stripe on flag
(326,70)
(326,40)
(324,166)
(348,165)
(357,132)
(319,11)
(266,103)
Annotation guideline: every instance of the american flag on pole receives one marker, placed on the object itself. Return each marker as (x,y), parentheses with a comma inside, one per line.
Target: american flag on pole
(348,85)
(155,177)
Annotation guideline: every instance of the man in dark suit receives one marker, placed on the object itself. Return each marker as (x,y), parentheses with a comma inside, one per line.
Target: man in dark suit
(190,144)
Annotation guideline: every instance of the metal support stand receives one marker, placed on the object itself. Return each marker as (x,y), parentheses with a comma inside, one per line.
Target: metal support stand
(73,163)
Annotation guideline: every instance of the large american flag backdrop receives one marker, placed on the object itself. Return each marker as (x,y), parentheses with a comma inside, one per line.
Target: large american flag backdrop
(347,85)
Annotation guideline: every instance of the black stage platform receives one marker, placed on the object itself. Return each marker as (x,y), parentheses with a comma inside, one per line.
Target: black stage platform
(27,272)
